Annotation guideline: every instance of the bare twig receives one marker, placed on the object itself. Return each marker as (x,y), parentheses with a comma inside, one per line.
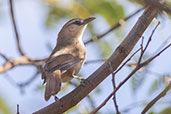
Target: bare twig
(18,111)
(113,79)
(15,28)
(114,96)
(127,61)
(150,38)
(22,60)
(148,42)
(114,27)
(162,94)
(22,84)
(114,86)
(4,57)
(29,81)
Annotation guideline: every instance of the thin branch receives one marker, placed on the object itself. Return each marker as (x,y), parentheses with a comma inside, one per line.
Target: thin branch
(126,79)
(114,96)
(4,57)
(114,86)
(113,79)
(15,28)
(22,60)
(114,27)
(29,81)
(18,110)
(127,61)
(149,60)
(22,84)
(157,98)
(148,42)
(150,38)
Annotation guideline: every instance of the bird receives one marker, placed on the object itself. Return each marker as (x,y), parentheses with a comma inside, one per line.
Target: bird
(67,58)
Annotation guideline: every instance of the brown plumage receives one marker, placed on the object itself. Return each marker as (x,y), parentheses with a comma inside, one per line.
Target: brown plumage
(67,57)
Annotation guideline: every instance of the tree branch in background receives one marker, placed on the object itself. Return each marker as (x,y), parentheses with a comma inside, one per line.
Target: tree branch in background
(114,96)
(75,96)
(18,110)
(159,4)
(113,78)
(4,57)
(21,85)
(114,27)
(22,60)
(162,94)
(15,28)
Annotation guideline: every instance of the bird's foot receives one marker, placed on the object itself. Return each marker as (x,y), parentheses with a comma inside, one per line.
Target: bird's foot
(79,78)
(56,98)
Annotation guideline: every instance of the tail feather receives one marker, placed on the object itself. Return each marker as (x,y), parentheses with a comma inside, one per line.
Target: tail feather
(53,84)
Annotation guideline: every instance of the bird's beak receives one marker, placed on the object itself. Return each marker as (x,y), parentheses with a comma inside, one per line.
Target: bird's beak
(86,21)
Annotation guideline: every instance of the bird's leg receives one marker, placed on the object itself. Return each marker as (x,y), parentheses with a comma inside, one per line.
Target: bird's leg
(56,98)
(79,78)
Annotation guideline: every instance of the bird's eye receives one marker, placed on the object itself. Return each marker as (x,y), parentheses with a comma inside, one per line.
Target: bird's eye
(77,22)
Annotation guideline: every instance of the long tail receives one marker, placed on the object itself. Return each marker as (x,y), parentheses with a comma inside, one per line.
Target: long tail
(53,84)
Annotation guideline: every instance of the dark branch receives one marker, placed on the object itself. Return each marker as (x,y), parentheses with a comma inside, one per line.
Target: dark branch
(114,27)
(4,57)
(162,94)
(159,4)
(114,86)
(15,28)
(18,110)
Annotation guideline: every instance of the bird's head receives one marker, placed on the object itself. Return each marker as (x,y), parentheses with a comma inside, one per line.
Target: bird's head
(74,28)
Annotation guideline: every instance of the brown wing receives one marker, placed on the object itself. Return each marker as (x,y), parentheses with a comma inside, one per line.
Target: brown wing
(62,62)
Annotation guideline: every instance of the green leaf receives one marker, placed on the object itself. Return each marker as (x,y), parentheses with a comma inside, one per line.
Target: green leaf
(55,14)
(3,107)
(166,111)
(110,10)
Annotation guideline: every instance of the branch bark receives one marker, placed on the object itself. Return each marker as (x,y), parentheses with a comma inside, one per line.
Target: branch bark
(101,73)
(22,60)
(162,94)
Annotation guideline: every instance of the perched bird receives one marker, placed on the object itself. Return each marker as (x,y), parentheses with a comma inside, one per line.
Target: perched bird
(66,58)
